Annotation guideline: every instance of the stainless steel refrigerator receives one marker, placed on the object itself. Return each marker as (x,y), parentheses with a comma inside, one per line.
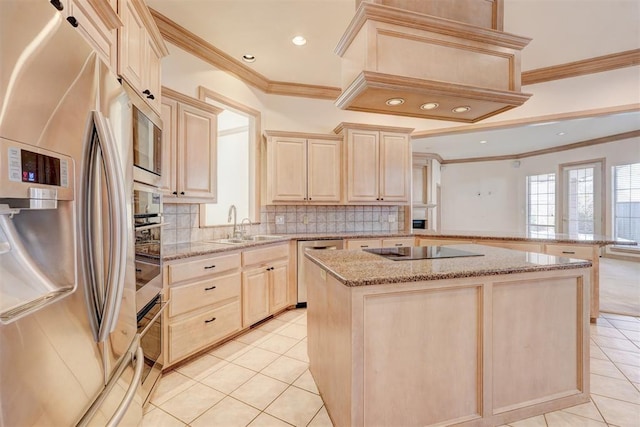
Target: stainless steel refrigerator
(69,349)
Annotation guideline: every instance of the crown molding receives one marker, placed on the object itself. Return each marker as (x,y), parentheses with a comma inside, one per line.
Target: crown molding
(151,26)
(597,64)
(587,143)
(287,134)
(200,48)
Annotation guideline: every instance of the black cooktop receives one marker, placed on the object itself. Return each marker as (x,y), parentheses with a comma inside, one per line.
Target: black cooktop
(420,252)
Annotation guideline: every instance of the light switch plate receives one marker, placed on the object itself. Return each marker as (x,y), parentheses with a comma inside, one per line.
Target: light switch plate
(279,219)
(392,218)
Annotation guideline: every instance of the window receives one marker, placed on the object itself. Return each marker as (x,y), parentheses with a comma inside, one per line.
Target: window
(238,139)
(626,202)
(541,204)
(582,207)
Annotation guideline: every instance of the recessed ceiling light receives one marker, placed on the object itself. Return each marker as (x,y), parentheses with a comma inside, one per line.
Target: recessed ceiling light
(248,58)
(461,109)
(483,141)
(299,41)
(561,133)
(395,101)
(429,106)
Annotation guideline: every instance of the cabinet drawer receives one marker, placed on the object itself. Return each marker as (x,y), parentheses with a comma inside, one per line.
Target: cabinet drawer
(202,268)
(258,256)
(443,242)
(191,296)
(197,332)
(518,246)
(363,244)
(570,251)
(399,242)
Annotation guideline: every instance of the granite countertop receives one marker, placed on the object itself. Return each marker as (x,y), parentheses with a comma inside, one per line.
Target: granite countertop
(360,268)
(186,250)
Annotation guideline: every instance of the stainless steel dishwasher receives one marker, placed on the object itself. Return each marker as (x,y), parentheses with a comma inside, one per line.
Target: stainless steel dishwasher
(303,246)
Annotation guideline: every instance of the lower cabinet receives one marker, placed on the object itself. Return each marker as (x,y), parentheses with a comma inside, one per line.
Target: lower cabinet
(265,283)
(205,304)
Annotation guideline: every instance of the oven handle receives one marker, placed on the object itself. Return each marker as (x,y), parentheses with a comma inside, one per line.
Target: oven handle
(148,227)
(163,305)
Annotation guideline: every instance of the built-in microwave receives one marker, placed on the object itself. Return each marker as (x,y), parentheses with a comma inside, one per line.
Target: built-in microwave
(147,141)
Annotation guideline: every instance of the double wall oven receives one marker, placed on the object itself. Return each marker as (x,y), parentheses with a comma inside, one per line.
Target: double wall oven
(148,223)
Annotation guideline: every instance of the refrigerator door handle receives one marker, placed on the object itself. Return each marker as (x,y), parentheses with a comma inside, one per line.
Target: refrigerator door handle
(131,390)
(106,287)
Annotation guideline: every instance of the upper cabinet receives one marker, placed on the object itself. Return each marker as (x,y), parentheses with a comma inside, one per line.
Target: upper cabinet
(302,168)
(127,40)
(378,163)
(189,149)
(98,22)
(140,48)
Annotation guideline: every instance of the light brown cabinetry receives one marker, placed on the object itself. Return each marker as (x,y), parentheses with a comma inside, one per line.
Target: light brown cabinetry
(265,282)
(586,251)
(189,149)
(140,48)
(379,243)
(204,303)
(303,168)
(378,164)
(97,22)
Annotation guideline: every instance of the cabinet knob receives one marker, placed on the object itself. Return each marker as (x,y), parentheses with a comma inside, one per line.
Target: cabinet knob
(57,4)
(182,193)
(73,21)
(309,198)
(146,92)
(151,97)
(175,193)
(381,198)
(208,289)
(210,320)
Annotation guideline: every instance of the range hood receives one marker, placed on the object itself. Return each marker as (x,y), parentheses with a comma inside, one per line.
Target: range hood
(405,62)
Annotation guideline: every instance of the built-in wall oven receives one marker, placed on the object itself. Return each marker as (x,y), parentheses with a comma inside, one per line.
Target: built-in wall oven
(147,215)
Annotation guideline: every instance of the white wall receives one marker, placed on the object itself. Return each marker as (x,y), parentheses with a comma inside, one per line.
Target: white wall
(491,196)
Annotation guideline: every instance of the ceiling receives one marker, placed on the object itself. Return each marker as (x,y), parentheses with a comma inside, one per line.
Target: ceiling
(571,30)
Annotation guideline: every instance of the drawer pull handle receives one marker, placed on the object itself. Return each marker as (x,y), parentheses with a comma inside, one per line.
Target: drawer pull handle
(364,246)
(568,252)
(207,267)
(210,320)
(398,244)
(208,289)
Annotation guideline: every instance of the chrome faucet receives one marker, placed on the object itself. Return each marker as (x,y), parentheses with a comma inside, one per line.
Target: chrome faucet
(244,232)
(232,211)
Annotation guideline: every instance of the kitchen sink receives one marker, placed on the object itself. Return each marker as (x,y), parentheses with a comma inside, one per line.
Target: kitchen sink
(247,239)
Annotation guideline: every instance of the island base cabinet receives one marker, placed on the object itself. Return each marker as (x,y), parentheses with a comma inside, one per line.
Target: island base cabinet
(475,351)
(200,331)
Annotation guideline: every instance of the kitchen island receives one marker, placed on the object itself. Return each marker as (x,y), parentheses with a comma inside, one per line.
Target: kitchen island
(481,340)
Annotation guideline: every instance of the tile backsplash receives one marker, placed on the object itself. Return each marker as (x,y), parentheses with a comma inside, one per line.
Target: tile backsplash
(183,221)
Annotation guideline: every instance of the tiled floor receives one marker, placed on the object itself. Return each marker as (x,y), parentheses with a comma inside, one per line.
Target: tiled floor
(261,379)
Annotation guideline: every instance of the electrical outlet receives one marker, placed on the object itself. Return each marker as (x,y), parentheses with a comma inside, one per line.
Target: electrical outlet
(392,218)
(279,219)
(305,219)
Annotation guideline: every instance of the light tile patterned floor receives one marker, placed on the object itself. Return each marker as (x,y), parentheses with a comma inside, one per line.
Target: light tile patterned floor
(261,379)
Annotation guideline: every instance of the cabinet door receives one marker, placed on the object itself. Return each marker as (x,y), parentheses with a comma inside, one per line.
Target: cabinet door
(255,295)
(279,286)
(197,135)
(324,170)
(152,75)
(287,169)
(100,33)
(395,167)
(169,115)
(362,166)
(132,45)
